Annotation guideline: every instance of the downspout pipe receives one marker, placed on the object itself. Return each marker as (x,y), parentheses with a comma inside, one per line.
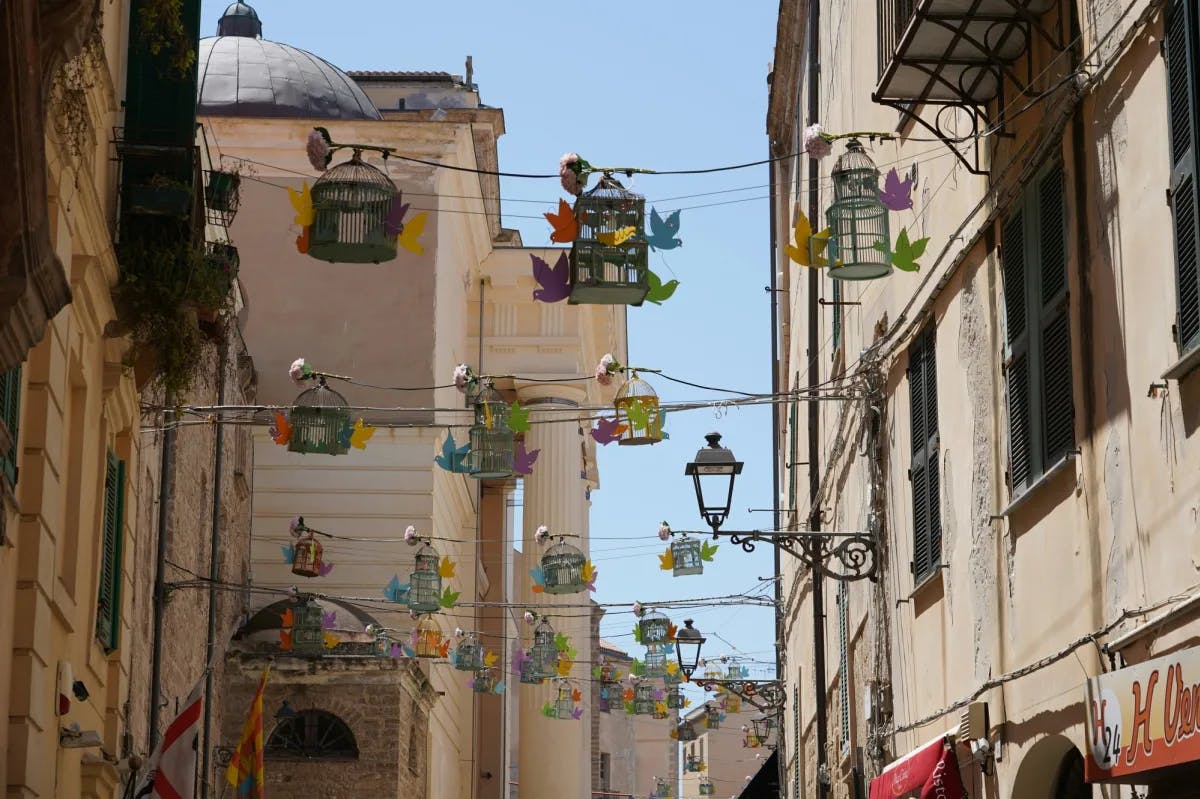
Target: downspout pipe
(160,562)
(214,567)
(777,445)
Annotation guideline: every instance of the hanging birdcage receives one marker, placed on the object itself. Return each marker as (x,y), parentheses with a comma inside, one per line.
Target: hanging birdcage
(468,655)
(612,695)
(685,553)
(675,697)
(859,241)
(654,628)
(643,699)
(662,788)
(693,763)
(712,717)
(307,559)
(491,454)
(562,569)
(543,654)
(319,419)
(638,413)
(610,256)
(733,703)
(484,682)
(425,582)
(656,662)
(308,636)
(351,204)
(564,703)
(706,787)
(685,732)
(529,675)
(427,638)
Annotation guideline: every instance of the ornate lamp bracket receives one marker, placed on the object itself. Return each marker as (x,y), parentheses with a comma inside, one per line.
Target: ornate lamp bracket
(841,556)
(766,695)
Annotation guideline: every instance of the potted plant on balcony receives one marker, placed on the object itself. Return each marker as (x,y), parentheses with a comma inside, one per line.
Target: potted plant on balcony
(221,194)
(160,195)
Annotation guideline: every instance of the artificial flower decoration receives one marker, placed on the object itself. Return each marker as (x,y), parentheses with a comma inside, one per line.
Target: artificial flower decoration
(463,377)
(410,535)
(319,149)
(809,246)
(607,431)
(663,232)
(607,367)
(523,460)
(638,610)
(573,172)
(300,371)
(554,284)
(664,531)
(896,194)
(905,254)
(542,534)
(659,291)
(453,458)
(530,617)
(566,226)
(817,143)
(296,526)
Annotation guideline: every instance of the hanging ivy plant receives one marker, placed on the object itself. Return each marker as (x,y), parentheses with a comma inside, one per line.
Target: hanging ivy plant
(162,32)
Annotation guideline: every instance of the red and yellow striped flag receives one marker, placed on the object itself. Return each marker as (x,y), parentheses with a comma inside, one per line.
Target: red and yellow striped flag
(245,772)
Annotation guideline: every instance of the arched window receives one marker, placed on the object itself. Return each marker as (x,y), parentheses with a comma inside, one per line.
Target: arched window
(311,734)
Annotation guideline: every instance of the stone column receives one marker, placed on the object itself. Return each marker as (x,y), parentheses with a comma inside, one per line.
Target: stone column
(555,756)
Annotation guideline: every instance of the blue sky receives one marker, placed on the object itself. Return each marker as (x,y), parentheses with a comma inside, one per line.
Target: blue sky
(665,84)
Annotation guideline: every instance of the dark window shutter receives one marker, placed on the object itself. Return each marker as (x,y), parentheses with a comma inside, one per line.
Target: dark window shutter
(837,314)
(1057,404)
(1020,434)
(922,382)
(843,602)
(1182,46)
(108,600)
(10,412)
(793,417)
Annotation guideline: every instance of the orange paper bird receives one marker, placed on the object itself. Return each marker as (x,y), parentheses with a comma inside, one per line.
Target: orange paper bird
(361,435)
(446,567)
(287,618)
(281,433)
(285,640)
(537,589)
(444,649)
(628,694)
(666,561)
(809,246)
(302,203)
(411,232)
(566,227)
(490,659)
(617,237)
(576,696)
(302,241)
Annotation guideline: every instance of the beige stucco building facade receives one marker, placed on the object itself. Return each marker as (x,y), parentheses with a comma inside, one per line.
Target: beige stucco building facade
(1022,444)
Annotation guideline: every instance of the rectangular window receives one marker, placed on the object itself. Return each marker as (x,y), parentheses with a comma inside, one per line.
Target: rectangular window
(605,770)
(1182,47)
(108,601)
(923,472)
(1037,365)
(843,603)
(10,412)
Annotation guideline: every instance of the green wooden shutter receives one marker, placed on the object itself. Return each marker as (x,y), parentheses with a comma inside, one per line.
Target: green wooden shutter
(1182,46)
(1016,364)
(108,600)
(837,314)
(1057,403)
(793,446)
(10,412)
(843,602)
(922,387)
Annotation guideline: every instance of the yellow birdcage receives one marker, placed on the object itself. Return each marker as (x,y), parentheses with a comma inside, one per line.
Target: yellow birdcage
(427,638)
(638,413)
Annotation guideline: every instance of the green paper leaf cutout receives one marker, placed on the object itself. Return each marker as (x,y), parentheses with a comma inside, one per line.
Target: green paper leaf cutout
(548,710)
(637,633)
(595,672)
(638,416)
(447,598)
(907,252)
(561,642)
(518,418)
(707,550)
(629,708)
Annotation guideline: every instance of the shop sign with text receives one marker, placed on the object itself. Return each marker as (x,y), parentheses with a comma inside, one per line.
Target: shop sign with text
(1143,717)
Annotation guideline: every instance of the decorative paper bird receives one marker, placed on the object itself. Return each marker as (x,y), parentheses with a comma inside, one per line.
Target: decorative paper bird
(576,696)
(659,695)
(281,431)
(302,203)
(539,580)
(638,417)
(707,551)
(287,618)
(518,418)
(896,194)
(399,651)
(490,659)
(660,708)
(302,241)
(672,667)
(615,238)
(561,642)
(331,640)
(808,246)
(285,640)
(446,567)
(589,575)
(411,231)
(447,598)
(663,231)
(396,591)
(553,280)
(324,568)
(637,638)
(519,658)
(453,459)
(328,619)
(659,292)
(566,227)
(289,553)
(577,713)
(629,707)
(628,697)
(523,460)
(395,218)
(905,256)
(607,431)
(361,434)
(564,666)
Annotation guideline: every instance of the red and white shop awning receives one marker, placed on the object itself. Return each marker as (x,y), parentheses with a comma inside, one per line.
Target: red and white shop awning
(932,768)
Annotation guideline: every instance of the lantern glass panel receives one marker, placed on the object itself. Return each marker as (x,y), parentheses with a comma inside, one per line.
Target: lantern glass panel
(319,420)
(351,202)
(562,569)
(686,555)
(654,628)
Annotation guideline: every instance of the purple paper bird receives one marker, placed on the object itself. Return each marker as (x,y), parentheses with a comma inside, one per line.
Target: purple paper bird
(896,194)
(324,568)
(659,695)
(553,281)
(519,659)
(395,218)
(606,431)
(397,651)
(523,460)
(328,619)
(577,713)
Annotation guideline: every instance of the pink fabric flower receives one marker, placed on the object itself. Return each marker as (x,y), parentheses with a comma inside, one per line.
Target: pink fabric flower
(319,151)
(295,526)
(664,531)
(529,617)
(605,370)
(817,142)
(462,376)
(541,534)
(570,169)
(299,370)
(410,535)
(637,608)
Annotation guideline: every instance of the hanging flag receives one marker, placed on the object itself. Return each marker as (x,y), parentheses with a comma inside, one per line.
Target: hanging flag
(944,781)
(171,772)
(245,772)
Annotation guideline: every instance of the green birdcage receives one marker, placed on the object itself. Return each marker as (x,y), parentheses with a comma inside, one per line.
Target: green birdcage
(610,256)
(308,636)
(706,787)
(643,699)
(685,554)
(675,697)
(859,241)
(686,732)
(468,655)
(564,703)
(351,202)
(484,682)
(529,674)
(654,628)
(636,406)
(712,716)
(562,569)
(491,455)
(425,582)
(543,655)
(319,419)
(656,662)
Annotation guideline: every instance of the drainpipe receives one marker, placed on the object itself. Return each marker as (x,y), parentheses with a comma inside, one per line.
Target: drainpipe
(776,455)
(814,417)
(214,565)
(160,557)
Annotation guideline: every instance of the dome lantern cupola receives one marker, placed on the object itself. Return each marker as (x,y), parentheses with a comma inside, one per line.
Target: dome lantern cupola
(239,19)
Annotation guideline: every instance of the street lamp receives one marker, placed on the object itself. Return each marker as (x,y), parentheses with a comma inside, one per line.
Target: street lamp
(687,647)
(763,727)
(713,471)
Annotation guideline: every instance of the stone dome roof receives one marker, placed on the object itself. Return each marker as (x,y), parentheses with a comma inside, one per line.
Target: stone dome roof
(242,74)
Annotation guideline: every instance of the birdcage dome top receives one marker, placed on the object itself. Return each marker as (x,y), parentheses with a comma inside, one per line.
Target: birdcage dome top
(610,187)
(321,396)
(426,553)
(562,548)
(428,624)
(486,392)
(854,159)
(636,388)
(357,172)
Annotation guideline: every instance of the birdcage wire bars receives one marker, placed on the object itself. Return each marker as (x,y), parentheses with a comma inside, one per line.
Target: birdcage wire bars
(492,445)
(468,654)
(562,568)
(425,582)
(543,655)
(318,417)
(637,410)
(351,202)
(685,556)
(859,239)
(608,268)
(307,560)
(654,628)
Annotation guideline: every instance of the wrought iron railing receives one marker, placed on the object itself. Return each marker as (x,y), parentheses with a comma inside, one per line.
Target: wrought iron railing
(894,16)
